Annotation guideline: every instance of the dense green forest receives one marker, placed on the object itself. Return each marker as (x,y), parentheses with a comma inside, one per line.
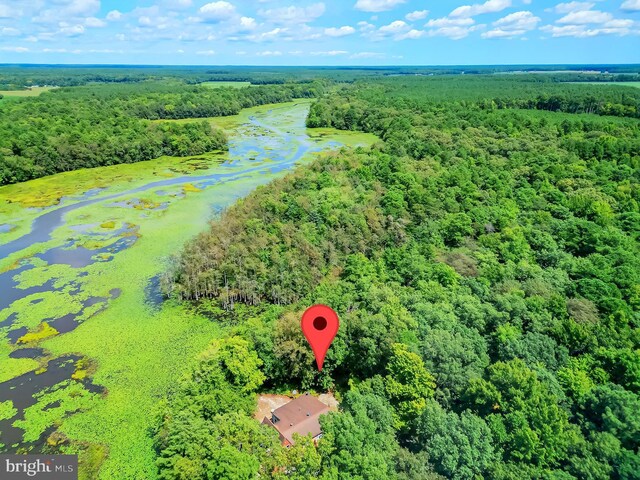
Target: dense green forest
(487,92)
(19,76)
(80,127)
(484,262)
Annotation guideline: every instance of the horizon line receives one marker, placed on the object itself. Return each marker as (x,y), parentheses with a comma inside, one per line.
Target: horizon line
(319,66)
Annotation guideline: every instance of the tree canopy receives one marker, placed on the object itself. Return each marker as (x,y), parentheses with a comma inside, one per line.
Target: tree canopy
(483,258)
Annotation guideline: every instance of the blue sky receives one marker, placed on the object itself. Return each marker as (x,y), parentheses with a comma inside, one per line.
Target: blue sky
(327,32)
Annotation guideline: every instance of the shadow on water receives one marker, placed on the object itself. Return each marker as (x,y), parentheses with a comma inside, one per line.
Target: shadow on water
(153,293)
(9,320)
(14,335)
(27,353)
(80,257)
(69,322)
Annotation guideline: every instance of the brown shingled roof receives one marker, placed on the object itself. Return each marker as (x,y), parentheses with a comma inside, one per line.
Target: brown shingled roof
(298,416)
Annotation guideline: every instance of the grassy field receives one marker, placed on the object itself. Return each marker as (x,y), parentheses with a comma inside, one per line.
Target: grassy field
(32,92)
(226,84)
(137,350)
(622,84)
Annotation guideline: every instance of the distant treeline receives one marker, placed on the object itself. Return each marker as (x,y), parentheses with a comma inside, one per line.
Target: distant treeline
(16,77)
(537,92)
(83,127)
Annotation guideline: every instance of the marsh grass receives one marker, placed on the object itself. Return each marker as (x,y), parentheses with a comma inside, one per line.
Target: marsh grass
(226,84)
(44,331)
(31,92)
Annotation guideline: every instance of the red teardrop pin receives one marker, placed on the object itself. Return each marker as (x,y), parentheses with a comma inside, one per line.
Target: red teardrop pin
(320,325)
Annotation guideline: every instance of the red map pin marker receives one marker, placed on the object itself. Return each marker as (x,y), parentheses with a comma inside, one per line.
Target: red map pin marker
(320,325)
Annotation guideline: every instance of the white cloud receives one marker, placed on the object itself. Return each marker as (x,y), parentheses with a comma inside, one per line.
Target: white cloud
(365,26)
(14,49)
(145,21)
(394,27)
(619,23)
(68,10)
(217,11)
(104,50)
(490,6)
(7,12)
(449,22)
(206,53)
(248,23)
(585,17)
(9,32)
(114,15)
(367,55)
(513,25)
(523,19)
(631,5)
(417,15)
(178,3)
(500,33)
(339,32)
(412,34)
(305,32)
(377,5)
(80,7)
(293,15)
(72,30)
(572,7)
(568,31)
(330,53)
(269,53)
(54,50)
(94,22)
(614,27)
(268,36)
(454,32)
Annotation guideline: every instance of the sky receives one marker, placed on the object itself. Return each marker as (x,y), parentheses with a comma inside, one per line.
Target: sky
(327,32)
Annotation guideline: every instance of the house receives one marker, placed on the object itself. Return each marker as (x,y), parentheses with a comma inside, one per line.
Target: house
(300,415)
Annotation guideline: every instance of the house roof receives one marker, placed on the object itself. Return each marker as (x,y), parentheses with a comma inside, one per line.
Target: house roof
(300,415)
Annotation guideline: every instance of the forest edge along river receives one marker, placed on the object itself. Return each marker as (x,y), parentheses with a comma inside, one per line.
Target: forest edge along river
(96,255)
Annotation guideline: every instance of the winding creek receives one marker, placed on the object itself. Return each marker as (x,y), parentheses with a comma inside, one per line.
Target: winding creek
(87,345)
